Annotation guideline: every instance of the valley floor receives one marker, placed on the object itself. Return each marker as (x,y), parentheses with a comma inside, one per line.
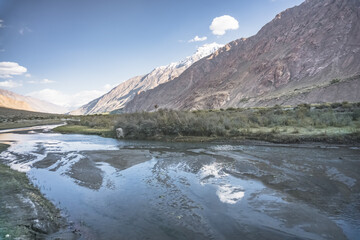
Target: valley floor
(13,118)
(332,123)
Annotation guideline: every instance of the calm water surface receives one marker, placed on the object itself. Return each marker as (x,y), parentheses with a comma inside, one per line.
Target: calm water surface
(110,189)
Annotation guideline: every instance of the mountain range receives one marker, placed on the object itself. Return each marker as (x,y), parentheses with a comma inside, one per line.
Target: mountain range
(307,54)
(12,100)
(119,96)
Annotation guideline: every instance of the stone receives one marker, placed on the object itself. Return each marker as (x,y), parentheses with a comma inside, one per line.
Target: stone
(119,133)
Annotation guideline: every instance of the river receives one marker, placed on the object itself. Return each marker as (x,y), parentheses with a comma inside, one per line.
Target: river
(115,189)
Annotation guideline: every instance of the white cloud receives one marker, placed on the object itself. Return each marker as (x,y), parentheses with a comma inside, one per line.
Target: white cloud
(108,87)
(220,25)
(28,75)
(70,101)
(44,81)
(1,23)
(8,69)
(52,96)
(198,39)
(86,96)
(24,30)
(10,84)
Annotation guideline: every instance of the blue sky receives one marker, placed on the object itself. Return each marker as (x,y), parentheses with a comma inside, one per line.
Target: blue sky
(83,47)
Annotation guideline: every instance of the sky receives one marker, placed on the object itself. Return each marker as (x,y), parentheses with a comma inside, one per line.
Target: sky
(69,52)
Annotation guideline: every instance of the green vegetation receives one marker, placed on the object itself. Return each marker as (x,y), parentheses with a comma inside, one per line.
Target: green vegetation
(3,147)
(10,180)
(12,118)
(105,132)
(16,218)
(337,122)
(335,80)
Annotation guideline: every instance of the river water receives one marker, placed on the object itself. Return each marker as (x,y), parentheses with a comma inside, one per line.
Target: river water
(111,189)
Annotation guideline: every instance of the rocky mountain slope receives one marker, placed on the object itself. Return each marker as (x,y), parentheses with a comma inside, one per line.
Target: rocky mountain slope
(307,54)
(124,92)
(12,100)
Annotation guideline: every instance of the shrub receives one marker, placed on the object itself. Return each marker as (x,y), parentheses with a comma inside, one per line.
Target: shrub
(356,115)
(295,130)
(334,81)
(232,122)
(275,130)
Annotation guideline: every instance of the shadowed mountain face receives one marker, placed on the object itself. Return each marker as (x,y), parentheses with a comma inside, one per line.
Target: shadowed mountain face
(12,100)
(119,96)
(306,54)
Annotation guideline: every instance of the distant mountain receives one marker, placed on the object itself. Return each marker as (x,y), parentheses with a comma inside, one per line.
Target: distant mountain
(124,92)
(12,100)
(307,54)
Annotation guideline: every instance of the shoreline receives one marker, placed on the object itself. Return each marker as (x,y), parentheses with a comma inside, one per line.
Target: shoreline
(327,123)
(268,137)
(25,212)
(29,123)
(72,234)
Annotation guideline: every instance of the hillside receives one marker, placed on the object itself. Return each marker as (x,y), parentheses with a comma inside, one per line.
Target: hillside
(13,103)
(12,100)
(119,96)
(14,118)
(307,54)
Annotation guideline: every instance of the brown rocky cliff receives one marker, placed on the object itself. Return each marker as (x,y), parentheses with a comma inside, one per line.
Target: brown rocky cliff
(301,48)
(119,96)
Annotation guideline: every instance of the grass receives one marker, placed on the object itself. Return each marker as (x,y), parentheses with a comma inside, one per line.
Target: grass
(10,181)
(3,147)
(29,123)
(12,118)
(16,220)
(332,122)
(66,129)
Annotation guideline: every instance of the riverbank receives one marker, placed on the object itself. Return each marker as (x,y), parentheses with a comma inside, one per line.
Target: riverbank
(29,123)
(24,212)
(12,118)
(271,138)
(330,123)
(283,135)
(79,129)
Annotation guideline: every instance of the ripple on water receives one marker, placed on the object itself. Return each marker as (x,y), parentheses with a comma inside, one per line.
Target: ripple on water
(181,193)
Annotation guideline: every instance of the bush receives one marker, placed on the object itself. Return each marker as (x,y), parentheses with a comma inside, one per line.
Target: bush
(232,122)
(334,81)
(356,115)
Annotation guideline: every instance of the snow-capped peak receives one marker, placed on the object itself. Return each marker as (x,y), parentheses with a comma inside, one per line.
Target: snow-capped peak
(207,49)
(200,53)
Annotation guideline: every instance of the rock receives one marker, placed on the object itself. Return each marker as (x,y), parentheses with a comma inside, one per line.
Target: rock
(39,227)
(119,133)
(119,96)
(304,47)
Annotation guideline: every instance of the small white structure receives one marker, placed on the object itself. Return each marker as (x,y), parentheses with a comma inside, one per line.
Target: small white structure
(119,133)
